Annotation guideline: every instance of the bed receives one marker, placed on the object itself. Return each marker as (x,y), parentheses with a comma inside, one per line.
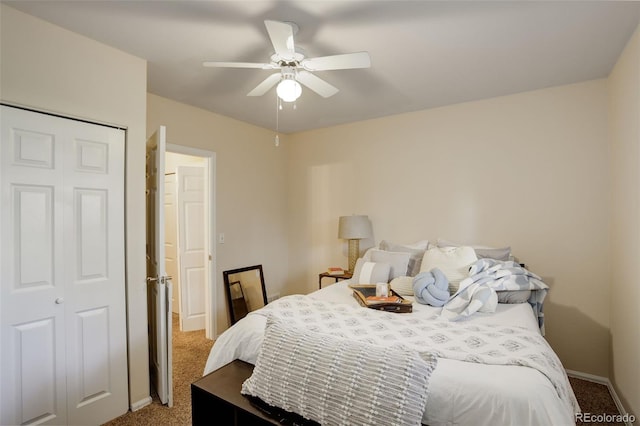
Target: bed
(460,392)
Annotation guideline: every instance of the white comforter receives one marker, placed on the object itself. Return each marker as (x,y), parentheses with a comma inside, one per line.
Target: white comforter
(460,393)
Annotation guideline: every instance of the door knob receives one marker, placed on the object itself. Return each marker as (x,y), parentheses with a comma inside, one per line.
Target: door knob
(59,300)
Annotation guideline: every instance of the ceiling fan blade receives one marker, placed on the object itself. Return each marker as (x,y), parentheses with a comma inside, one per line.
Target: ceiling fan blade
(338,62)
(266,84)
(316,84)
(238,65)
(281,35)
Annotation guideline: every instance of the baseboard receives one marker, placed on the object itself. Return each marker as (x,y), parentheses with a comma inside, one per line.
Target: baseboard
(589,377)
(135,406)
(602,381)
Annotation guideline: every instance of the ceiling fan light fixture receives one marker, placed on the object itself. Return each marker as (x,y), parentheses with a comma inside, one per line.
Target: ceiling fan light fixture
(289,90)
(295,68)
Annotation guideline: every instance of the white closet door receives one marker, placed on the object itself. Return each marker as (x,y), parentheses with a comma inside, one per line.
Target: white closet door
(63,324)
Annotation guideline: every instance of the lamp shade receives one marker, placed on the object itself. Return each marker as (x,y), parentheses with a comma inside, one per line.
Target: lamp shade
(354,227)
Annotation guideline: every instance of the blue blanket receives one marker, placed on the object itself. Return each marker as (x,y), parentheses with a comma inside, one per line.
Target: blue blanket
(486,276)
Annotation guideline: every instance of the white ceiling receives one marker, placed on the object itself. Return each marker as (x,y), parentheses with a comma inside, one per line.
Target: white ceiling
(424,54)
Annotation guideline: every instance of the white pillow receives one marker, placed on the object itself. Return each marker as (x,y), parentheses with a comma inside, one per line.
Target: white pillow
(402,285)
(370,272)
(367,254)
(454,262)
(514,296)
(422,244)
(501,253)
(398,261)
(416,252)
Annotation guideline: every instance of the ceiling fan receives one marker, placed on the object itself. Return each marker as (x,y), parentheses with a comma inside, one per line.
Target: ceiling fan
(294,68)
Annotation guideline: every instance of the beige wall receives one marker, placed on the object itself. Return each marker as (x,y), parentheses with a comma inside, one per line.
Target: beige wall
(250,189)
(51,69)
(529,170)
(624,134)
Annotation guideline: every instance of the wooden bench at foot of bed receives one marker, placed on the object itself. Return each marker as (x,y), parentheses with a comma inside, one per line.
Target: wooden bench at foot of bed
(216,398)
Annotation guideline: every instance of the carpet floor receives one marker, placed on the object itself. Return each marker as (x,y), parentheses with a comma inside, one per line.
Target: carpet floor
(190,352)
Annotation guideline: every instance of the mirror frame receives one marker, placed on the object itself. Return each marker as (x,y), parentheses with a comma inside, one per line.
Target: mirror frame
(227,288)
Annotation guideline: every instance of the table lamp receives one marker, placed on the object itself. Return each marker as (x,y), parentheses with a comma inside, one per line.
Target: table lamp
(354,228)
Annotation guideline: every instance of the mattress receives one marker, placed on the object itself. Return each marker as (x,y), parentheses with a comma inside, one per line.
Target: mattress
(460,393)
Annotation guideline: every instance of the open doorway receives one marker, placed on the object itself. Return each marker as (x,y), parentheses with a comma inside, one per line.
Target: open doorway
(189,227)
(185,261)
(197,242)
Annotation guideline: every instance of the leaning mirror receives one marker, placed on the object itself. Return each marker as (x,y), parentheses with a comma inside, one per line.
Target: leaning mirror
(245,291)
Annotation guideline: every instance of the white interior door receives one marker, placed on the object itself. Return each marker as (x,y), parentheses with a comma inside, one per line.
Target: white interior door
(63,321)
(159,288)
(191,246)
(171,239)
(209,231)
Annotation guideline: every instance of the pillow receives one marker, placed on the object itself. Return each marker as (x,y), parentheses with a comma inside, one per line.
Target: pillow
(402,285)
(397,260)
(454,262)
(416,252)
(503,253)
(513,296)
(422,244)
(367,254)
(370,272)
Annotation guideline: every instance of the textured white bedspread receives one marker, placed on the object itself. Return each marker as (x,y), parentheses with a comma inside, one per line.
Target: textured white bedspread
(460,393)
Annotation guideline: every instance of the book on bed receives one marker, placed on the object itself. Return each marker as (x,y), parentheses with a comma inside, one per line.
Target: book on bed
(365,294)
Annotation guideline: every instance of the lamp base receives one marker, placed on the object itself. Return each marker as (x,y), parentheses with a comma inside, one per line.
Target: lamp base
(354,253)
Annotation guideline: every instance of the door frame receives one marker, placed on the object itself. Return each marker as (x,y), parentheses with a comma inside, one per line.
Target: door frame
(210,182)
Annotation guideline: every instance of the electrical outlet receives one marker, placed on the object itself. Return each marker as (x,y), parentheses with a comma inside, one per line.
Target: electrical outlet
(221,238)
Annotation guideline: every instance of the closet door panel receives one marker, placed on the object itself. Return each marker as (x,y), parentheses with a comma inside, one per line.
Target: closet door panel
(33,148)
(33,236)
(39,355)
(91,233)
(36,374)
(93,346)
(32,287)
(94,274)
(62,282)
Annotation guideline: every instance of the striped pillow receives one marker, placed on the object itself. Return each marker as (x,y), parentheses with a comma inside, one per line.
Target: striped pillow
(371,272)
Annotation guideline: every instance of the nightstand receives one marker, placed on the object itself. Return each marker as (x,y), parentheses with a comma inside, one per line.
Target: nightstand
(337,278)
